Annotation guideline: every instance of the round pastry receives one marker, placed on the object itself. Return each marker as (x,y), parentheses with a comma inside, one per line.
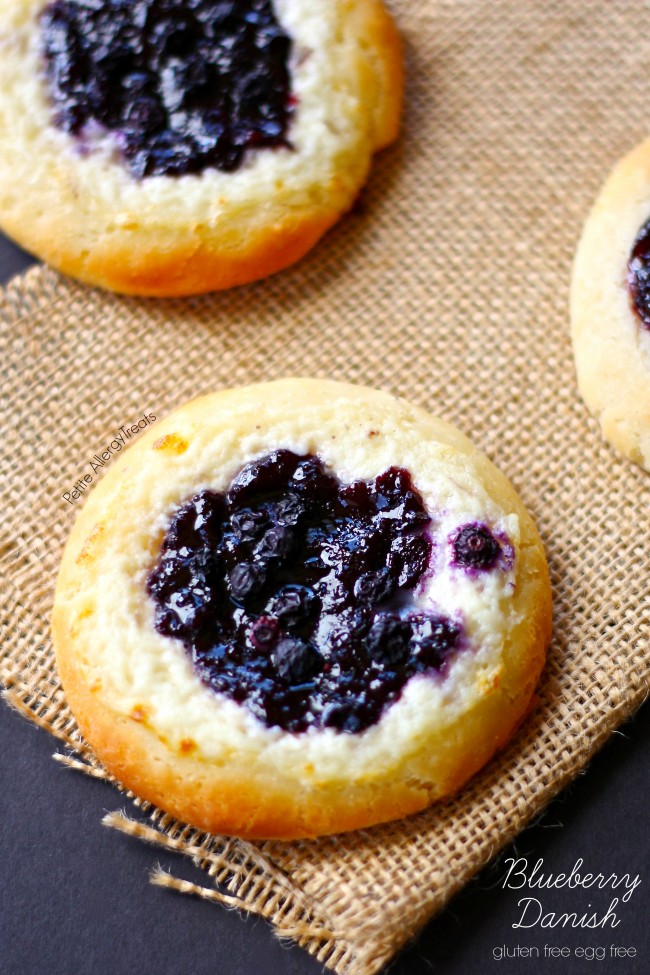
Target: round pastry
(170,147)
(300,608)
(610,307)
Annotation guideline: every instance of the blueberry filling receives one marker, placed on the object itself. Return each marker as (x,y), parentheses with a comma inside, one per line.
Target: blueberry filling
(184,85)
(475,547)
(638,278)
(295,593)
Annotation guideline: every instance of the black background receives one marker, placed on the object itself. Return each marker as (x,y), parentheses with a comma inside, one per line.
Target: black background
(75,897)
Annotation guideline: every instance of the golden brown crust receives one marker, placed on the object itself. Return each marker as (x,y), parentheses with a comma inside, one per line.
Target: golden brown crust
(177,236)
(126,263)
(230,802)
(611,347)
(254,794)
(383,50)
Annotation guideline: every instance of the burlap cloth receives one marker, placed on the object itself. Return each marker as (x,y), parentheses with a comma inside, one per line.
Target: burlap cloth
(447,284)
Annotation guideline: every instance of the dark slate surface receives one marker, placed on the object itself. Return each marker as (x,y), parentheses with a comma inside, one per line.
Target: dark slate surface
(75,898)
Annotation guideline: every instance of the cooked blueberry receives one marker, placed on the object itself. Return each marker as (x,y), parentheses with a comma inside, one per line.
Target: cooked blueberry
(359,496)
(312,481)
(389,640)
(161,72)
(248,525)
(398,499)
(182,533)
(168,622)
(389,487)
(289,511)
(433,638)
(293,593)
(393,488)
(138,83)
(638,277)
(475,547)
(275,543)
(213,655)
(264,632)
(189,609)
(246,580)
(210,511)
(198,520)
(294,605)
(345,717)
(409,559)
(271,473)
(374,586)
(145,114)
(296,660)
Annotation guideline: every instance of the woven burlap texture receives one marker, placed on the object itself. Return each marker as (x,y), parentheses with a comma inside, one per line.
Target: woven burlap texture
(447,284)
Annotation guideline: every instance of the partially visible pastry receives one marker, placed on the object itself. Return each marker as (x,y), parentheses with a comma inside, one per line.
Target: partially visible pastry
(170,147)
(610,307)
(300,608)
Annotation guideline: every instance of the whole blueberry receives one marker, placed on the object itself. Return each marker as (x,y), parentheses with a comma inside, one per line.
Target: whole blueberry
(270,473)
(345,717)
(247,525)
(296,661)
(289,510)
(246,580)
(275,543)
(294,604)
(475,547)
(374,587)
(389,640)
(434,637)
(264,632)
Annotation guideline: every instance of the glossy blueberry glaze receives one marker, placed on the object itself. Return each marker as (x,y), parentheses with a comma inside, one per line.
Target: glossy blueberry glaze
(294,593)
(185,84)
(638,278)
